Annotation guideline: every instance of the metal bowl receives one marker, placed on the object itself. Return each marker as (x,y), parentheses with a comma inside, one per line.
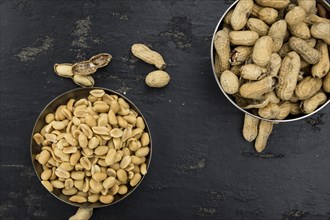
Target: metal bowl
(290,118)
(40,123)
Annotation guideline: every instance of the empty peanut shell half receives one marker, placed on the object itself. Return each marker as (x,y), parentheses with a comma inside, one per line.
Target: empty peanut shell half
(63,69)
(101,60)
(84,68)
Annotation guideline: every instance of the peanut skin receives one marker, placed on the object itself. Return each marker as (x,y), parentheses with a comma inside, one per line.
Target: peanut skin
(288,76)
(250,128)
(241,13)
(222,47)
(265,129)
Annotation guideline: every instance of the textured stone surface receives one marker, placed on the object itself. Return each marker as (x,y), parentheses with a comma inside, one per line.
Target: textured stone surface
(201,166)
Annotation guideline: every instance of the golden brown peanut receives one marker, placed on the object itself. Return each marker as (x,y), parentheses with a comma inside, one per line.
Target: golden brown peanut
(311,104)
(241,13)
(78,199)
(43,157)
(125,161)
(321,68)
(122,190)
(63,69)
(258,26)
(135,180)
(140,123)
(49,118)
(243,38)
(278,4)
(106,199)
(308,87)
(145,139)
(308,5)
(116,133)
(62,173)
(149,56)
(265,129)
(321,31)
(277,32)
(288,76)
(271,111)
(77,175)
(93,198)
(268,15)
(250,127)
(222,47)
(99,176)
(68,184)
(69,192)
(157,79)
(240,54)
(309,54)
(122,175)
(262,51)
(109,182)
(252,72)
(254,90)
(142,152)
(47,185)
(38,138)
(84,81)
(83,214)
(326,83)
(138,160)
(229,82)
(57,184)
(96,186)
(101,150)
(46,174)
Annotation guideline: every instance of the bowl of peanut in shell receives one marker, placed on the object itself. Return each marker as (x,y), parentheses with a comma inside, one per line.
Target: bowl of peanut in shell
(271,58)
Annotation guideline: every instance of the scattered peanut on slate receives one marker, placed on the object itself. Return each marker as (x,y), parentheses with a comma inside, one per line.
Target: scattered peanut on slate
(155,79)
(81,72)
(272,57)
(93,149)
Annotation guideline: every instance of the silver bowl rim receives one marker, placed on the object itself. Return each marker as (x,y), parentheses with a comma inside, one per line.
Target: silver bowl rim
(88,204)
(228,96)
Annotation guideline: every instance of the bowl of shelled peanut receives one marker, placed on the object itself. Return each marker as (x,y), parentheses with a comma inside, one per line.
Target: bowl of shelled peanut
(271,58)
(91,147)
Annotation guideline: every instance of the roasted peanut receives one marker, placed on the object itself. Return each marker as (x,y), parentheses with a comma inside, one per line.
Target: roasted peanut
(254,90)
(149,56)
(262,51)
(252,72)
(308,87)
(229,82)
(308,5)
(243,38)
(326,83)
(321,31)
(258,26)
(274,65)
(265,129)
(321,68)
(250,127)
(288,76)
(278,4)
(311,104)
(157,79)
(309,54)
(240,14)
(222,47)
(268,15)
(240,54)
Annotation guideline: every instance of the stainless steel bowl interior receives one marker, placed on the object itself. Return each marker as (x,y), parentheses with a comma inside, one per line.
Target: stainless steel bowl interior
(40,123)
(232,100)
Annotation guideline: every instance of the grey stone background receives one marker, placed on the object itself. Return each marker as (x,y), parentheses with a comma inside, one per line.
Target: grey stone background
(201,168)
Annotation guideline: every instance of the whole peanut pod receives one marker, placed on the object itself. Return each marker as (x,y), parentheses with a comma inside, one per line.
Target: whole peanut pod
(82,214)
(274,65)
(241,13)
(321,31)
(326,83)
(265,129)
(288,76)
(308,87)
(227,17)
(258,26)
(268,15)
(250,127)
(217,67)
(254,90)
(314,19)
(300,30)
(271,111)
(321,68)
(222,47)
(295,16)
(277,32)
(311,104)
(307,52)
(278,4)
(243,38)
(144,53)
(240,54)
(308,5)
(252,72)
(262,51)
(285,109)
(229,82)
